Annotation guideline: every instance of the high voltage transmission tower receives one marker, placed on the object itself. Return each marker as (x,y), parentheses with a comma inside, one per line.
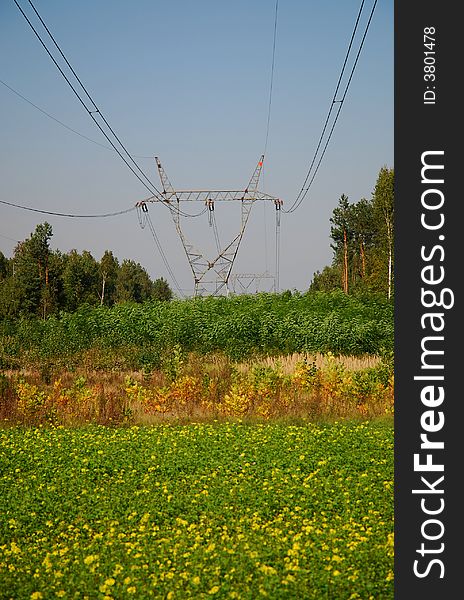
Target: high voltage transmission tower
(218,271)
(213,274)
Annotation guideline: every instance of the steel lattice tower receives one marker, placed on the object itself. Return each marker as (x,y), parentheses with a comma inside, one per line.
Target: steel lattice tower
(215,272)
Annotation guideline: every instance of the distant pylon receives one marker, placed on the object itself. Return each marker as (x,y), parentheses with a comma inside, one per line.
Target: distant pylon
(242,283)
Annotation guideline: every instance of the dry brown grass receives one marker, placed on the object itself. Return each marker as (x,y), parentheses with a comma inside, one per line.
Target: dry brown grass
(289,362)
(203,388)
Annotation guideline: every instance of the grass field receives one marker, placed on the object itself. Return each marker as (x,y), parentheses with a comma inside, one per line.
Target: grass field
(221,510)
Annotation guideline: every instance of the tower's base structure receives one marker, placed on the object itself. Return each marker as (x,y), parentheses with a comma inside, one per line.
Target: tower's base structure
(213,277)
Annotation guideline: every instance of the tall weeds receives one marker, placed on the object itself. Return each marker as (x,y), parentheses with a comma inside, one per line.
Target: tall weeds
(197,387)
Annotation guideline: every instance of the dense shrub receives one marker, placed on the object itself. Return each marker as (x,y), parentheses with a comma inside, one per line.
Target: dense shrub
(240,326)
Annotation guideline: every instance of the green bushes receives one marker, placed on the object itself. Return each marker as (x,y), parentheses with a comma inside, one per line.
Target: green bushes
(240,327)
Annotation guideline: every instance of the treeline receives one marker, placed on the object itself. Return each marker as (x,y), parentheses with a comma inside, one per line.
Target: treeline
(38,281)
(362,243)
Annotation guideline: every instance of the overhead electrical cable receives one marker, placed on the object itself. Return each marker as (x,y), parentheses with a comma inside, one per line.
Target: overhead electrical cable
(47,114)
(86,100)
(216,233)
(163,255)
(141,176)
(268,123)
(8,238)
(85,137)
(75,216)
(146,219)
(306,186)
(94,110)
(272,77)
(334,99)
(277,256)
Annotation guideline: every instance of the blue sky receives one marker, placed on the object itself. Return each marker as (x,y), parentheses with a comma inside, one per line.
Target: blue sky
(189,82)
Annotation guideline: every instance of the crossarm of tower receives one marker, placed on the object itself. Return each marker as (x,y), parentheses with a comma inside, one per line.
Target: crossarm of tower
(214,195)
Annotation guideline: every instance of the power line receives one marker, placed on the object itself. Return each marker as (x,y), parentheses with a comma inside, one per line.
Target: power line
(95,110)
(305,188)
(94,142)
(47,114)
(96,115)
(148,184)
(272,77)
(269,121)
(163,255)
(334,97)
(277,254)
(216,235)
(75,216)
(90,140)
(148,219)
(8,238)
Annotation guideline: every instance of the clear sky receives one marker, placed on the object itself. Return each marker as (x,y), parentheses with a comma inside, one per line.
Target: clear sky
(189,82)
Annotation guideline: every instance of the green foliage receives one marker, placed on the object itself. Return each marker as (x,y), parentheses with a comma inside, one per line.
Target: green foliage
(384,210)
(220,510)
(80,280)
(109,267)
(239,326)
(132,283)
(10,298)
(41,282)
(340,223)
(4,266)
(30,289)
(172,362)
(161,290)
(327,280)
(362,242)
